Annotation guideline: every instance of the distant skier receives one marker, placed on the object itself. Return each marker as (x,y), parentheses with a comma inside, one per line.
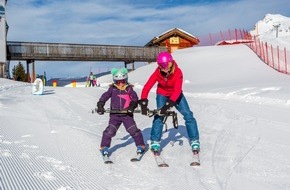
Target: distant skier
(95,81)
(123,97)
(169,93)
(91,77)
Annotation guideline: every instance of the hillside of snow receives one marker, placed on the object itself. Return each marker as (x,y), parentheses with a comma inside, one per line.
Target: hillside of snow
(274,29)
(242,107)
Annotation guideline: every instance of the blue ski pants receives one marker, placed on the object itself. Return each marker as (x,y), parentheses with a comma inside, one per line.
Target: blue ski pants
(183,107)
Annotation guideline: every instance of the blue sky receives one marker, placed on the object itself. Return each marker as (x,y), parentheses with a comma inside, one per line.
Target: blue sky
(126,22)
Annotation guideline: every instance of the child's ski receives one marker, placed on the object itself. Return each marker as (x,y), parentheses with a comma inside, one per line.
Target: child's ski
(159,160)
(107,159)
(195,159)
(139,156)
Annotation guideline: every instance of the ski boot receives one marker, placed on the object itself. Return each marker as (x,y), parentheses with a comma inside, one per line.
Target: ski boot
(104,150)
(155,146)
(195,146)
(140,149)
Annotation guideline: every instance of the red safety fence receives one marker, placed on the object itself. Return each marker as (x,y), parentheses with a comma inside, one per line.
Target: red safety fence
(225,38)
(275,57)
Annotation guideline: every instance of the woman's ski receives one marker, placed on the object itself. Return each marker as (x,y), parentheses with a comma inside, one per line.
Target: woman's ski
(159,160)
(195,159)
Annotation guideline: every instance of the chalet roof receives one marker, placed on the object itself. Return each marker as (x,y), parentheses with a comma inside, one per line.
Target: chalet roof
(171,33)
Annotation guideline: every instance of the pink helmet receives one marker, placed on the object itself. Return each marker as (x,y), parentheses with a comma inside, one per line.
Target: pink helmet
(164,58)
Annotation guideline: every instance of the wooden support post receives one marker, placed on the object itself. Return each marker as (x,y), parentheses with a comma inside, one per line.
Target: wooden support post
(128,62)
(33,71)
(33,77)
(27,73)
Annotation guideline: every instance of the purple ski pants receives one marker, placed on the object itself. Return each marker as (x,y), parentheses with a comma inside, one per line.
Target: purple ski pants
(114,124)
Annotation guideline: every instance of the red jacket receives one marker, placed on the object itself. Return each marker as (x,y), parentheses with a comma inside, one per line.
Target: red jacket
(170,86)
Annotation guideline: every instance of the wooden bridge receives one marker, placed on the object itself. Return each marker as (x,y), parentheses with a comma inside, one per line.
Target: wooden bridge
(33,51)
(80,52)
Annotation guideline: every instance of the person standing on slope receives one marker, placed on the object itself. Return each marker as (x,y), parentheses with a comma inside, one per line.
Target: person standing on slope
(169,79)
(123,98)
(91,77)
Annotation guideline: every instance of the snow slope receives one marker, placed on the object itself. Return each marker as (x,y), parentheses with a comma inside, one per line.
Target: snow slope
(242,107)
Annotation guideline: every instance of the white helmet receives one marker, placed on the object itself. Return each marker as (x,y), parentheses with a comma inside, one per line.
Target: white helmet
(121,74)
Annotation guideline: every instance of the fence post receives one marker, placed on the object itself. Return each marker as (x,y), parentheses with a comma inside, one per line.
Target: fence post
(262,52)
(260,47)
(278,58)
(285,54)
(241,34)
(256,45)
(230,35)
(273,62)
(252,44)
(244,34)
(267,55)
(236,33)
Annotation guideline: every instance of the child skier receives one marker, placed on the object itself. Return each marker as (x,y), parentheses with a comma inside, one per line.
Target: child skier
(123,98)
(91,78)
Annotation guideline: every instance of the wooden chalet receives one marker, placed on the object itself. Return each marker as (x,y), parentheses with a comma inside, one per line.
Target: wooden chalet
(174,39)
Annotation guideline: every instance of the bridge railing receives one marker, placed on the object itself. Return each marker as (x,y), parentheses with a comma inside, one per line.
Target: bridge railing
(80,52)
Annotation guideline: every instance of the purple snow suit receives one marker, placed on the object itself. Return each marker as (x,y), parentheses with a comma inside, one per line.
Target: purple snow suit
(120,100)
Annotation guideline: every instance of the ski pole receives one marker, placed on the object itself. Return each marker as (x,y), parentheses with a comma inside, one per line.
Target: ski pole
(151,113)
(116,111)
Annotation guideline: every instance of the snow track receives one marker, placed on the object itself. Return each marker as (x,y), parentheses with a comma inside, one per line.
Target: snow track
(52,141)
(61,151)
(39,156)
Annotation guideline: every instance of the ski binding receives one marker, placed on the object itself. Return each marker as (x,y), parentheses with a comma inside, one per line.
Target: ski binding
(195,159)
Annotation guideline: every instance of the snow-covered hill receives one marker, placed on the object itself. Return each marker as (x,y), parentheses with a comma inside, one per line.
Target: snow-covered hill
(274,29)
(242,107)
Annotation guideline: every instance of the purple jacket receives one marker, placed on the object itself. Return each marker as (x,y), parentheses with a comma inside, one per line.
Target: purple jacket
(120,99)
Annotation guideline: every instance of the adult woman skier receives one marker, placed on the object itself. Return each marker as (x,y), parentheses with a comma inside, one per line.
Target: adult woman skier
(169,78)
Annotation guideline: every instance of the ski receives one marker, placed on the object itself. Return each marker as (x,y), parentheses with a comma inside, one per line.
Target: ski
(159,160)
(195,159)
(107,159)
(139,156)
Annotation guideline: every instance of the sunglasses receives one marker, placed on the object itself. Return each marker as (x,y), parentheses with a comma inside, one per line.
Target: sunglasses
(120,81)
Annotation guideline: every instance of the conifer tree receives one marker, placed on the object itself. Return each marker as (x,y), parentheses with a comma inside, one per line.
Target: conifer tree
(19,73)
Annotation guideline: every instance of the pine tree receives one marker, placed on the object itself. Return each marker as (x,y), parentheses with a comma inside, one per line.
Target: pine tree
(19,73)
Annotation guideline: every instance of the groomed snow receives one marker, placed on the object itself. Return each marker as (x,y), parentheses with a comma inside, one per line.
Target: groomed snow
(242,107)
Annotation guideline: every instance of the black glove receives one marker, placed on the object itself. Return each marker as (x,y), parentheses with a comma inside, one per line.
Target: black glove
(144,106)
(131,108)
(101,109)
(169,103)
